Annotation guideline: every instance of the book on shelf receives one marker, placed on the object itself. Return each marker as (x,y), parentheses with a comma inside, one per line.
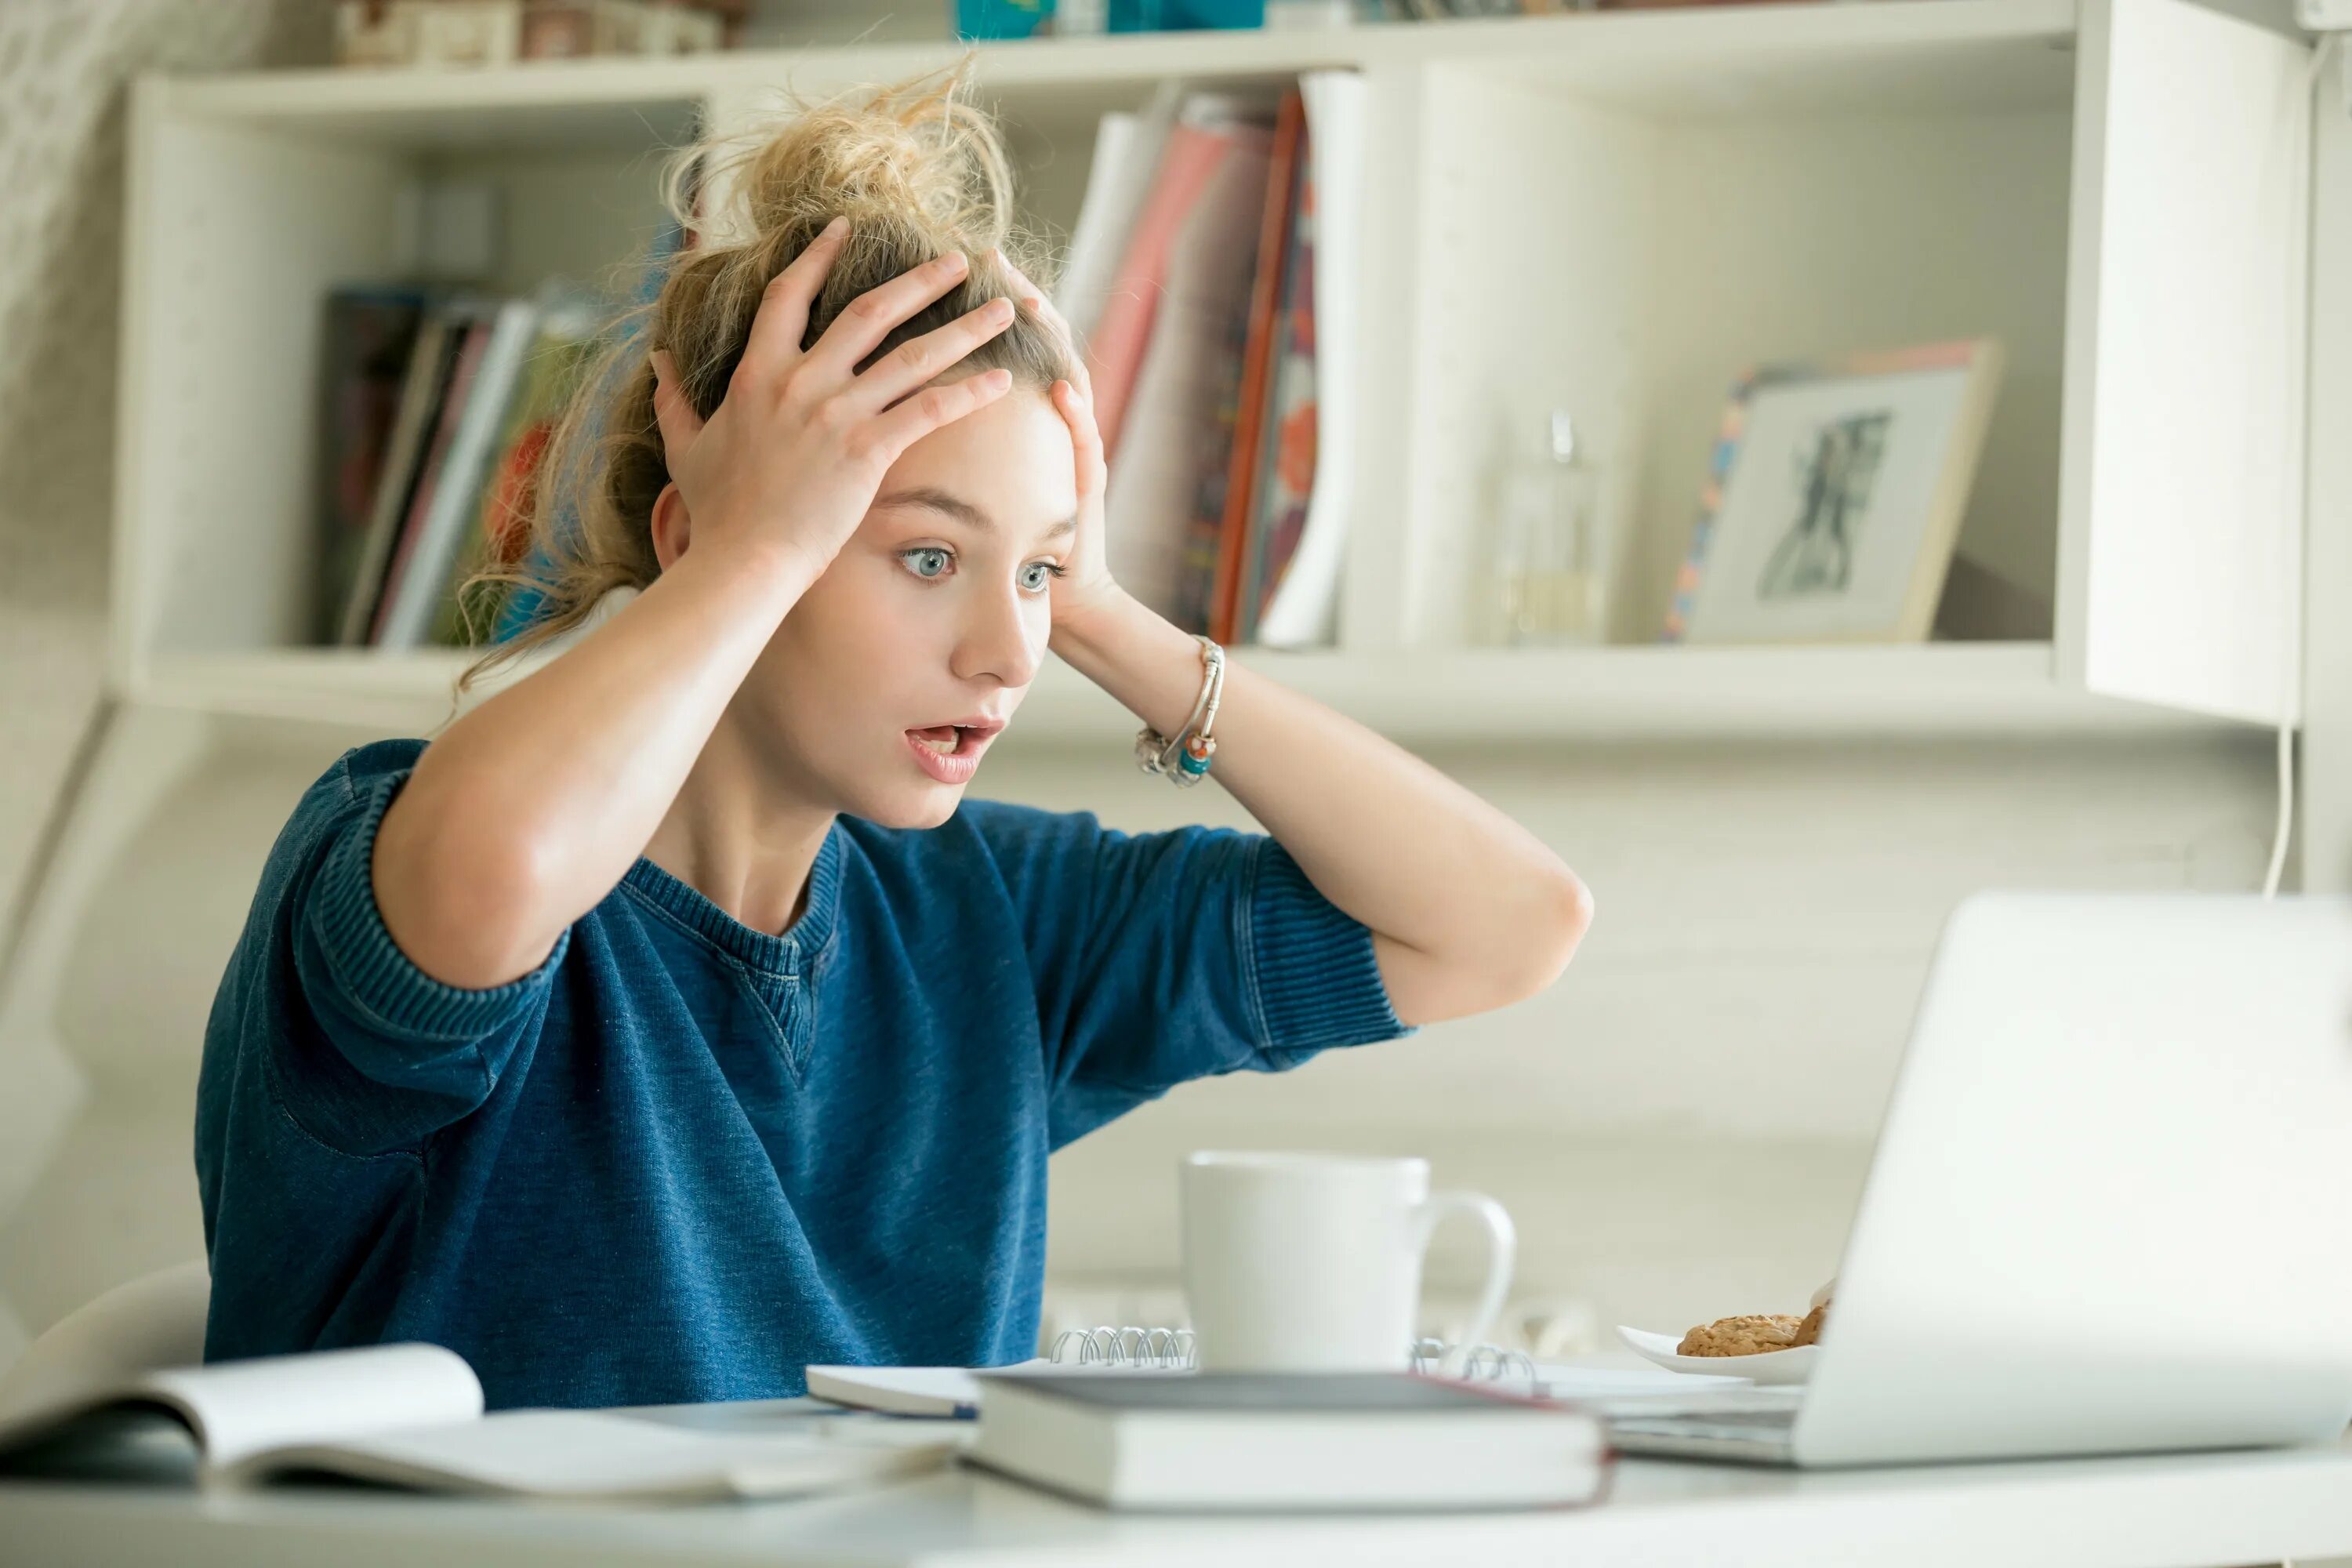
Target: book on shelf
(412,1415)
(1211,281)
(1181,169)
(517,610)
(446,465)
(1276,319)
(1297,552)
(1161,443)
(370,334)
(444,470)
(1220,349)
(497,533)
(1128,146)
(428,370)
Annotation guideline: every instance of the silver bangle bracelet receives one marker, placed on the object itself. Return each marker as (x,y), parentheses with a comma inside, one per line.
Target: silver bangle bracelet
(1184,758)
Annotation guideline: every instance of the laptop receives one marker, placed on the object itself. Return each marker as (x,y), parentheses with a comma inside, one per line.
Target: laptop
(2110,1207)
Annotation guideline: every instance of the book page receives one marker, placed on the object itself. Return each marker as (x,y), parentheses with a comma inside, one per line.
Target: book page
(597,1453)
(241,1407)
(155,1320)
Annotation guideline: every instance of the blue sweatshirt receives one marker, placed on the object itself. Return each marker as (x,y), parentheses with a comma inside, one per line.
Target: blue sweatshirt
(683,1158)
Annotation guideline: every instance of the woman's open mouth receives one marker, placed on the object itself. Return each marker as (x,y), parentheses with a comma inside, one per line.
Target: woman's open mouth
(950,752)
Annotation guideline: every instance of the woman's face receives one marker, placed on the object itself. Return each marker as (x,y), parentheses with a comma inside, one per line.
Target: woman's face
(932,618)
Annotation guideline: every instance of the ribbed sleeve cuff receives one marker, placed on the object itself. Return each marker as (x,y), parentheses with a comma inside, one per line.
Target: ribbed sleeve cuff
(1317,982)
(367,965)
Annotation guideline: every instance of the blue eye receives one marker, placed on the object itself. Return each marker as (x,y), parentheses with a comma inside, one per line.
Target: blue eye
(1038,575)
(925,561)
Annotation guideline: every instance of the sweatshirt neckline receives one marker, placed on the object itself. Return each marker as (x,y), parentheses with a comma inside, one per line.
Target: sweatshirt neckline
(784,953)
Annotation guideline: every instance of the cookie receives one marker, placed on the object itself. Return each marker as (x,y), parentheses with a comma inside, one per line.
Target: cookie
(1809,1333)
(1747,1335)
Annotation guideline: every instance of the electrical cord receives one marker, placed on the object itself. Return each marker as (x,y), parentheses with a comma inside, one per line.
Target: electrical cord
(2314,75)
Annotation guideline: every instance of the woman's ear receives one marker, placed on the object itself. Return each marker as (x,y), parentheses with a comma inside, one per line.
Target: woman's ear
(671,525)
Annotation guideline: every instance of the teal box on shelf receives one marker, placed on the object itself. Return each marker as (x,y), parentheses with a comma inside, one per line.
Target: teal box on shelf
(984,19)
(1174,15)
(979,19)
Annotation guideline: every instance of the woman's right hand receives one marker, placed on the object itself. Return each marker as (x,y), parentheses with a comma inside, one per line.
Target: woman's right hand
(789,461)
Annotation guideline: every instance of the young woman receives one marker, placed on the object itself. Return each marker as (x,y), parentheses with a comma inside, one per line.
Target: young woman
(672,1021)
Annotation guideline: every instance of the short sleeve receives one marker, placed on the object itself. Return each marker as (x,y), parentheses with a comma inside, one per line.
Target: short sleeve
(1160,957)
(374,1052)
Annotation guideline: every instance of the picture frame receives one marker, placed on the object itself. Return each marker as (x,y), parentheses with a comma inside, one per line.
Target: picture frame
(1835,495)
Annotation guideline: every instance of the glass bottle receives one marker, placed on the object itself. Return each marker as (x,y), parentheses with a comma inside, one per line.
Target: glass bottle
(1551,570)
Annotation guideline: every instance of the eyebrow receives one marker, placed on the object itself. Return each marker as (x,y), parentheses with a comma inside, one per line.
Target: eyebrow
(962,511)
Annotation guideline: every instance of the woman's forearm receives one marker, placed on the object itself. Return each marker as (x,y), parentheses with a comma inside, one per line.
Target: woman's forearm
(1469,910)
(527,810)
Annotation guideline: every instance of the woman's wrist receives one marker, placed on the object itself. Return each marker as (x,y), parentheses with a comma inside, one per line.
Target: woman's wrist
(1085,633)
(770,575)
(1139,656)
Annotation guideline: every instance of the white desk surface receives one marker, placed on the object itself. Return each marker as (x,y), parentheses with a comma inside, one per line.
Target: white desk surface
(2161,1511)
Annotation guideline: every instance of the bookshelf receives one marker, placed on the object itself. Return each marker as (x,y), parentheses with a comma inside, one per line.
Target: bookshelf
(1610,211)
(1470,695)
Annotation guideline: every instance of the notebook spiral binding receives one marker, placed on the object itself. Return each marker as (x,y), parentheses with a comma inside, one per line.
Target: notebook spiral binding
(1173,1350)
(1477,1364)
(1162,1348)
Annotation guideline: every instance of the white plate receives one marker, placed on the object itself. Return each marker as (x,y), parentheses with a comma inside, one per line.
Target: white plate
(1766,1366)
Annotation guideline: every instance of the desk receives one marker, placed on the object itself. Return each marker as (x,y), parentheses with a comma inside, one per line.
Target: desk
(2166,1511)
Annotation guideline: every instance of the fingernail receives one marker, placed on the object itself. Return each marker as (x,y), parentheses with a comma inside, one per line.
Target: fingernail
(838,227)
(1000,309)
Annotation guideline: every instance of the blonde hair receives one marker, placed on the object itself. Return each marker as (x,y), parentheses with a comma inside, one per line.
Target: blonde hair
(917,171)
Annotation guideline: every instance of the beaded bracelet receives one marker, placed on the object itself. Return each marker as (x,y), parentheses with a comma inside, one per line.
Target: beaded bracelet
(1192,746)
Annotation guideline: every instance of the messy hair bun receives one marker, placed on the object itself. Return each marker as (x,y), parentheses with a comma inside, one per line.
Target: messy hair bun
(917,170)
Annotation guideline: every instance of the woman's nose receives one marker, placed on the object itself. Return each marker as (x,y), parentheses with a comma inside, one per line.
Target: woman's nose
(1004,638)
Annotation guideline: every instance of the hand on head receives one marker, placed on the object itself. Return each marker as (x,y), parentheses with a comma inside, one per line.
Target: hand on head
(791,459)
(1086,581)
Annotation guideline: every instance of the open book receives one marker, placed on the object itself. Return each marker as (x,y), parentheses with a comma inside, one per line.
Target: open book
(411,1415)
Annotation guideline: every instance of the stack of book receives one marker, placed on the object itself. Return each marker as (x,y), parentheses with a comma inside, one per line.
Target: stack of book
(1212,276)
(438,408)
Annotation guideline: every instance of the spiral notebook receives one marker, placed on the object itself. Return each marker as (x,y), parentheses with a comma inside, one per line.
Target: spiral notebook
(955,1392)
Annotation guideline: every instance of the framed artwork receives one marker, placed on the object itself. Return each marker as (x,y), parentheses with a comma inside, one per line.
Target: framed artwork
(1833,497)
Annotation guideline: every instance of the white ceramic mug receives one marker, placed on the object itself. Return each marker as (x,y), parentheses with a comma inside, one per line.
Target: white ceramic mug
(1312,1262)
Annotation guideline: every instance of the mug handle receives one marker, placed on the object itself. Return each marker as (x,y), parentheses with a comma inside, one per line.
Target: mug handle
(1502,1250)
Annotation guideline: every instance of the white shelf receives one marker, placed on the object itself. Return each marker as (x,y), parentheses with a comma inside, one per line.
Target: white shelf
(1890,54)
(1481,695)
(1608,211)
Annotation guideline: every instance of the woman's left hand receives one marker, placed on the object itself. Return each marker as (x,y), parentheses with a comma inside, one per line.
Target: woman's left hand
(1087,584)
